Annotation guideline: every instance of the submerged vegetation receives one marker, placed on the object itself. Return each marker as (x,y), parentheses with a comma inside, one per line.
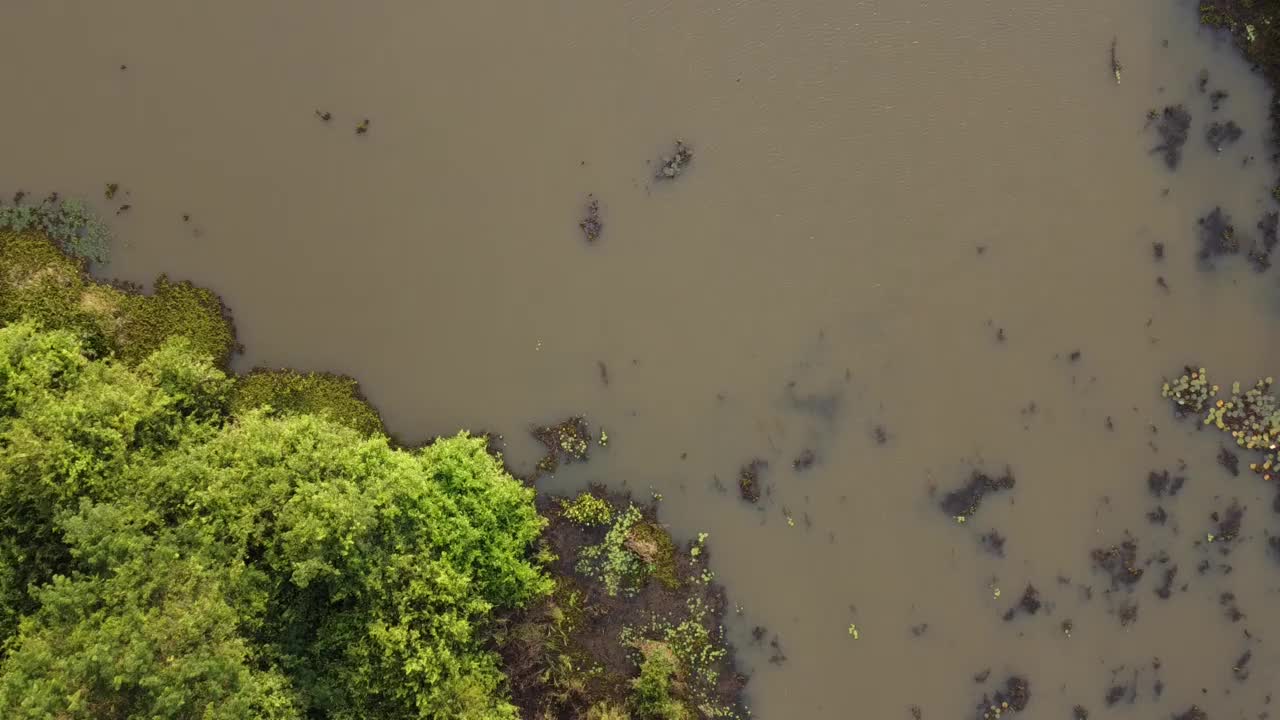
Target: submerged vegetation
(181,542)
(69,223)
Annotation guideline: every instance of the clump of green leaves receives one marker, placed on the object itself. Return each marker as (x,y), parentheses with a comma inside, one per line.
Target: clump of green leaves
(40,283)
(162,559)
(1191,392)
(290,392)
(67,222)
(1251,417)
(652,691)
(587,510)
(611,562)
(691,651)
(569,440)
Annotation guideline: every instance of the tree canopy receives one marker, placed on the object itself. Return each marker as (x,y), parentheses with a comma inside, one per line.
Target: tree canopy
(161,557)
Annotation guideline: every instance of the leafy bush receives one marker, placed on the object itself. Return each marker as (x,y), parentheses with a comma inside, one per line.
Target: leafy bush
(292,392)
(40,283)
(587,509)
(651,693)
(611,561)
(161,560)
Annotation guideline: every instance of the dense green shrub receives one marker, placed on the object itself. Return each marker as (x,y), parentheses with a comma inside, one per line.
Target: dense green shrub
(291,392)
(38,282)
(587,509)
(159,559)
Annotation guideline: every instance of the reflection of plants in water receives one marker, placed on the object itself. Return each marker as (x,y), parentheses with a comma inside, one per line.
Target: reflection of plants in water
(68,222)
(1251,417)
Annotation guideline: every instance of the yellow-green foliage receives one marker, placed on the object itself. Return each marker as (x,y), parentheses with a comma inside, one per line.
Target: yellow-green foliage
(587,509)
(42,284)
(652,691)
(606,711)
(290,392)
(159,561)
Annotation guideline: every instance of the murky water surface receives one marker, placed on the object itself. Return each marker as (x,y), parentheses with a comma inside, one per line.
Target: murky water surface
(880,192)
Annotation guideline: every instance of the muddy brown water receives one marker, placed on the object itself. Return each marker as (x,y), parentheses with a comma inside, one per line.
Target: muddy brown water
(878,189)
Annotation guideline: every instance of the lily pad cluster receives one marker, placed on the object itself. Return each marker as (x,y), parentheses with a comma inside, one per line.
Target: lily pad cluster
(1251,417)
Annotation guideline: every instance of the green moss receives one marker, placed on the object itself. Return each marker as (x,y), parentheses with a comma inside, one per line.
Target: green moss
(45,285)
(587,510)
(292,393)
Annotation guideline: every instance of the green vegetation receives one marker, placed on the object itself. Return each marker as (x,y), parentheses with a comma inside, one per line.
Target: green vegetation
(569,440)
(290,392)
(652,694)
(67,222)
(176,542)
(612,560)
(267,567)
(587,509)
(1251,417)
(40,283)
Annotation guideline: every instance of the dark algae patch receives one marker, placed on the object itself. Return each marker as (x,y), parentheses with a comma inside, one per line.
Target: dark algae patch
(1217,236)
(964,502)
(1221,134)
(676,163)
(1119,562)
(567,441)
(591,224)
(1012,698)
(1173,126)
(1192,713)
(749,480)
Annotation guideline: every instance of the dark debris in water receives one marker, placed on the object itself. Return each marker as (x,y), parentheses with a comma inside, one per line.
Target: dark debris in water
(1229,461)
(1217,236)
(1160,484)
(1166,586)
(1158,516)
(804,460)
(749,480)
(1120,562)
(591,224)
(1192,713)
(1260,252)
(964,502)
(1240,668)
(568,441)
(993,542)
(676,163)
(1229,523)
(1079,713)
(1174,127)
(1228,602)
(1013,697)
(1222,134)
